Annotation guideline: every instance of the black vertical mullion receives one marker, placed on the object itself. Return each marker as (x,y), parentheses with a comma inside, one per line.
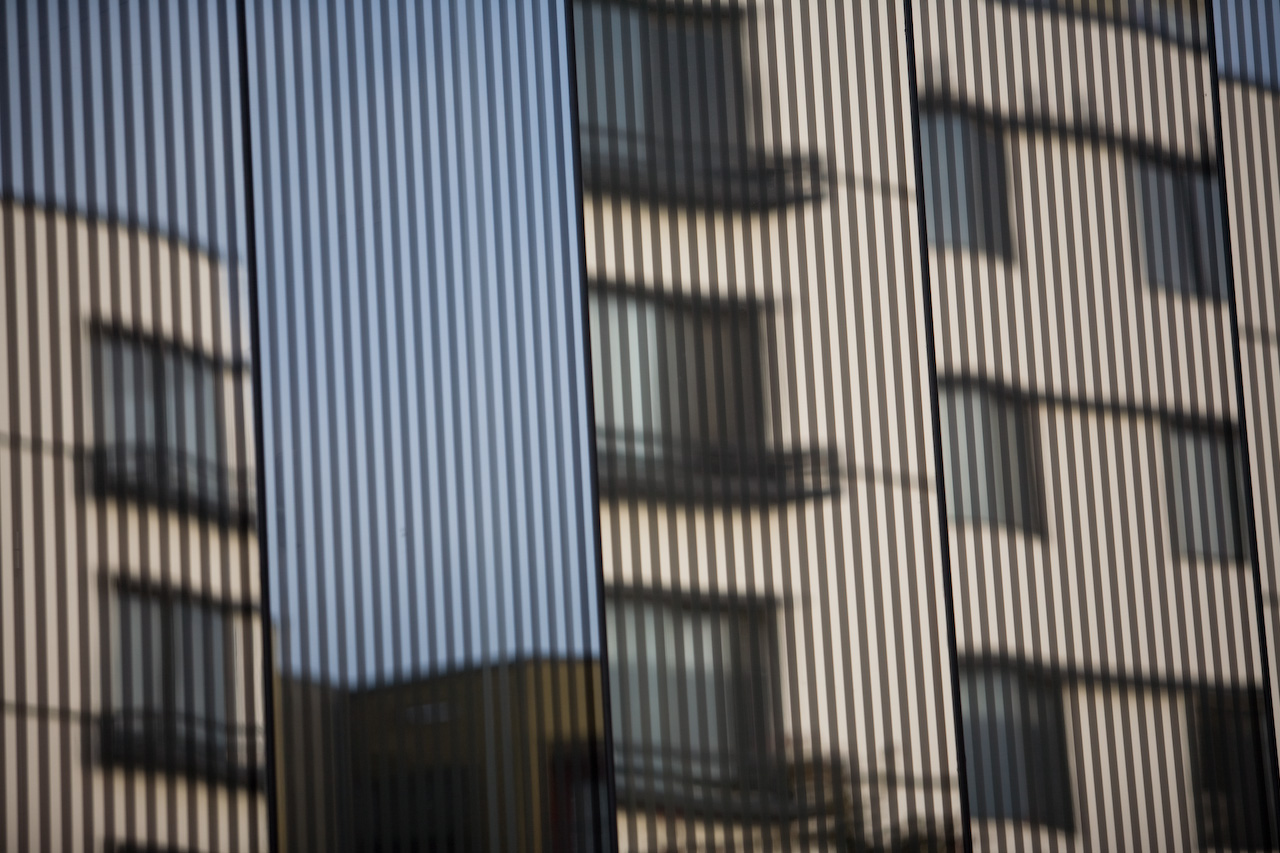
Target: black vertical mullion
(262,514)
(233,487)
(931,360)
(604,760)
(1241,437)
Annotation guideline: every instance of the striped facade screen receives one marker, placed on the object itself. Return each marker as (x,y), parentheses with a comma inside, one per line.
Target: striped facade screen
(645,425)
(770,536)
(1105,543)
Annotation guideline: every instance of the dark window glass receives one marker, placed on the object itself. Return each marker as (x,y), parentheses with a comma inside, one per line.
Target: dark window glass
(992,467)
(159,427)
(1236,780)
(1183,240)
(176,686)
(693,685)
(660,82)
(680,403)
(1206,493)
(1015,746)
(966,205)
(675,375)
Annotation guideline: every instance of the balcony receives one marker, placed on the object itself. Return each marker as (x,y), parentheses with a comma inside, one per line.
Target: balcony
(175,480)
(189,744)
(633,466)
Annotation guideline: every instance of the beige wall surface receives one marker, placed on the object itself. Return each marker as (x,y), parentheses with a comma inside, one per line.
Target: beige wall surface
(85,541)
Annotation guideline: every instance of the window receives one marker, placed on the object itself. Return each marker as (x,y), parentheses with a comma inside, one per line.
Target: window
(680,402)
(673,375)
(989,457)
(1236,771)
(159,426)
(1015,746)
(176,685)
(657,83)
(966,206)
(1183,241)
(1207,493)
(692,684)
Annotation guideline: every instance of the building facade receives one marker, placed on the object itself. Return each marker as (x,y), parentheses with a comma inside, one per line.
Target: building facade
(639,424)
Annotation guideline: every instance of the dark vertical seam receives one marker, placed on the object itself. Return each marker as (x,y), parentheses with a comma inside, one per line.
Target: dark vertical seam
(940,489)
(1260,603)
(255,343)
(603,761)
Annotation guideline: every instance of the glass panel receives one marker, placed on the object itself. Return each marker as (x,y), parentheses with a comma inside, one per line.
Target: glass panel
(1206,494)
(125,262)
(435,618)
(965,163)
(777,665)
(1236,787)
(1096,389)
(989,456)
(1182,225)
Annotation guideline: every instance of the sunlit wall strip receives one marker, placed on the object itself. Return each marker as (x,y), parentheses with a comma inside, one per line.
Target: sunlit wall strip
(132,691)
(775,624)
(1112,679)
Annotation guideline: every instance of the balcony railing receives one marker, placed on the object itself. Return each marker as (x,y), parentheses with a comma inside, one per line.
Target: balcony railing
(170,742)
(692,173)
(632,465)
(176,480)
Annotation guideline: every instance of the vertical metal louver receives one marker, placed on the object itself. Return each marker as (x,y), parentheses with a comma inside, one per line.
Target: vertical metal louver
(776,628)
(1111,655)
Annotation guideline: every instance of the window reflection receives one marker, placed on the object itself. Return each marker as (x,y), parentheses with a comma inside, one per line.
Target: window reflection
(1183,236)
(1235,782)
(696,690)
(990,456)
(178,688)
(160,417)
(967,206)
(409,764)
(680,402)
(1207,493)
(1015,745)
(665,101)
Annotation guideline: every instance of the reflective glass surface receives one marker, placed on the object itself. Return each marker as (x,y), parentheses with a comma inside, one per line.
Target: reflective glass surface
(645,425)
